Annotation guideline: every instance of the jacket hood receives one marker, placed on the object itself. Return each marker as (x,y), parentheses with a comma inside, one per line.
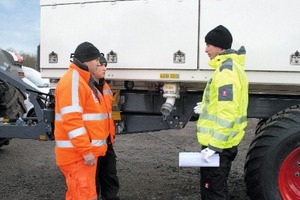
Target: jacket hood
(238,56)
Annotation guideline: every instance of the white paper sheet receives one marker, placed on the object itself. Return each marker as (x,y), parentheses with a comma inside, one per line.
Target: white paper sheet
(195,159)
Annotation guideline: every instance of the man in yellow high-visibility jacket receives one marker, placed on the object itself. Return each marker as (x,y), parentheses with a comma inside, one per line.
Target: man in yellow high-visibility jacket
(223,111)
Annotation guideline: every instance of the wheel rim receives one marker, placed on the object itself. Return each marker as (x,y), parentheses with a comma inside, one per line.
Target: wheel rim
(289,176)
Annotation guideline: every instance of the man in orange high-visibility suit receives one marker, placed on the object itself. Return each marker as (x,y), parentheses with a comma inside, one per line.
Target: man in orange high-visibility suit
(80,124)
(107,182)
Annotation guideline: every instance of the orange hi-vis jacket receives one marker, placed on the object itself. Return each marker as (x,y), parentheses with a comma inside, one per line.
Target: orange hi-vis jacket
(80,118)
(108,97)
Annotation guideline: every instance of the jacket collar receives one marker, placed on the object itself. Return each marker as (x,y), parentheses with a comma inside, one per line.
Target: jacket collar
(82,70)
(238,56)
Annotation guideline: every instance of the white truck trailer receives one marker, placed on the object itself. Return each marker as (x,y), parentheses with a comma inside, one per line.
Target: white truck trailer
(158,69)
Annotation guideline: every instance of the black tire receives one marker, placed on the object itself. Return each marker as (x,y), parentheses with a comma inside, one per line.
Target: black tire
(275,148)
(259,125)
(11,104)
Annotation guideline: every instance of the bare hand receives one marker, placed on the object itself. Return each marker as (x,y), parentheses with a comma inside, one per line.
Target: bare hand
(89,159)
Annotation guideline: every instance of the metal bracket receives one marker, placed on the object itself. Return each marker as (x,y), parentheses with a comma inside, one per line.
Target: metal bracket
(53,57)
(112,57)
(295,58)
(179,57)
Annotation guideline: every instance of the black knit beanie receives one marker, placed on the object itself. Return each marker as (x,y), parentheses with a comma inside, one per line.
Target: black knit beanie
(86,52)
(219,37)
(103,59)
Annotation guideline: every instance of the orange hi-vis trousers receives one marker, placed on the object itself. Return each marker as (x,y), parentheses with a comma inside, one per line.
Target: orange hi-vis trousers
(80,180)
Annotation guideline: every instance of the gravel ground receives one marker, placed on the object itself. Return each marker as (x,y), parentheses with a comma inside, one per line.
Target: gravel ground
(147,167)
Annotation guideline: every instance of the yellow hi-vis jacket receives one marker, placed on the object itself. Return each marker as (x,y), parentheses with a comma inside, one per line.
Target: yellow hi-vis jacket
(80,118)
(223,112)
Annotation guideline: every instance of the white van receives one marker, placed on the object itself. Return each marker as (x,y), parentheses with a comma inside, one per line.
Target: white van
(34,79)
(34,76)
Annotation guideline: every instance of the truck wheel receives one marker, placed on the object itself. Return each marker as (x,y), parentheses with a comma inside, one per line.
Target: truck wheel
(272,168)
(11,104)
(259,124)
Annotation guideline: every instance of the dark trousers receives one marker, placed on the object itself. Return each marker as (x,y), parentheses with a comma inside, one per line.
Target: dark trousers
(213,180)
(107,182)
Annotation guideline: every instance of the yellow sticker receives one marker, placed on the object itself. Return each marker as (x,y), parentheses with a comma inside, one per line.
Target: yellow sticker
(170,76)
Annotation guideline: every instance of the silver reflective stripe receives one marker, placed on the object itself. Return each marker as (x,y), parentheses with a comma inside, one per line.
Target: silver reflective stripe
(64,144)
(74,107)
(233,134)
(107,92)
(58,117)
(222,122)
(77,132)
(208,117)
(216,135)
(87,117)
(75,88)
(204,130)
(70,109)
(240,120)
(219,121)
(98,143)
(207,96)
(220,136)
(68,144)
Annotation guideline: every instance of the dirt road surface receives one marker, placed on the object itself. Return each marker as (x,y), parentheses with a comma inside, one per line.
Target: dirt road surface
(147,167)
